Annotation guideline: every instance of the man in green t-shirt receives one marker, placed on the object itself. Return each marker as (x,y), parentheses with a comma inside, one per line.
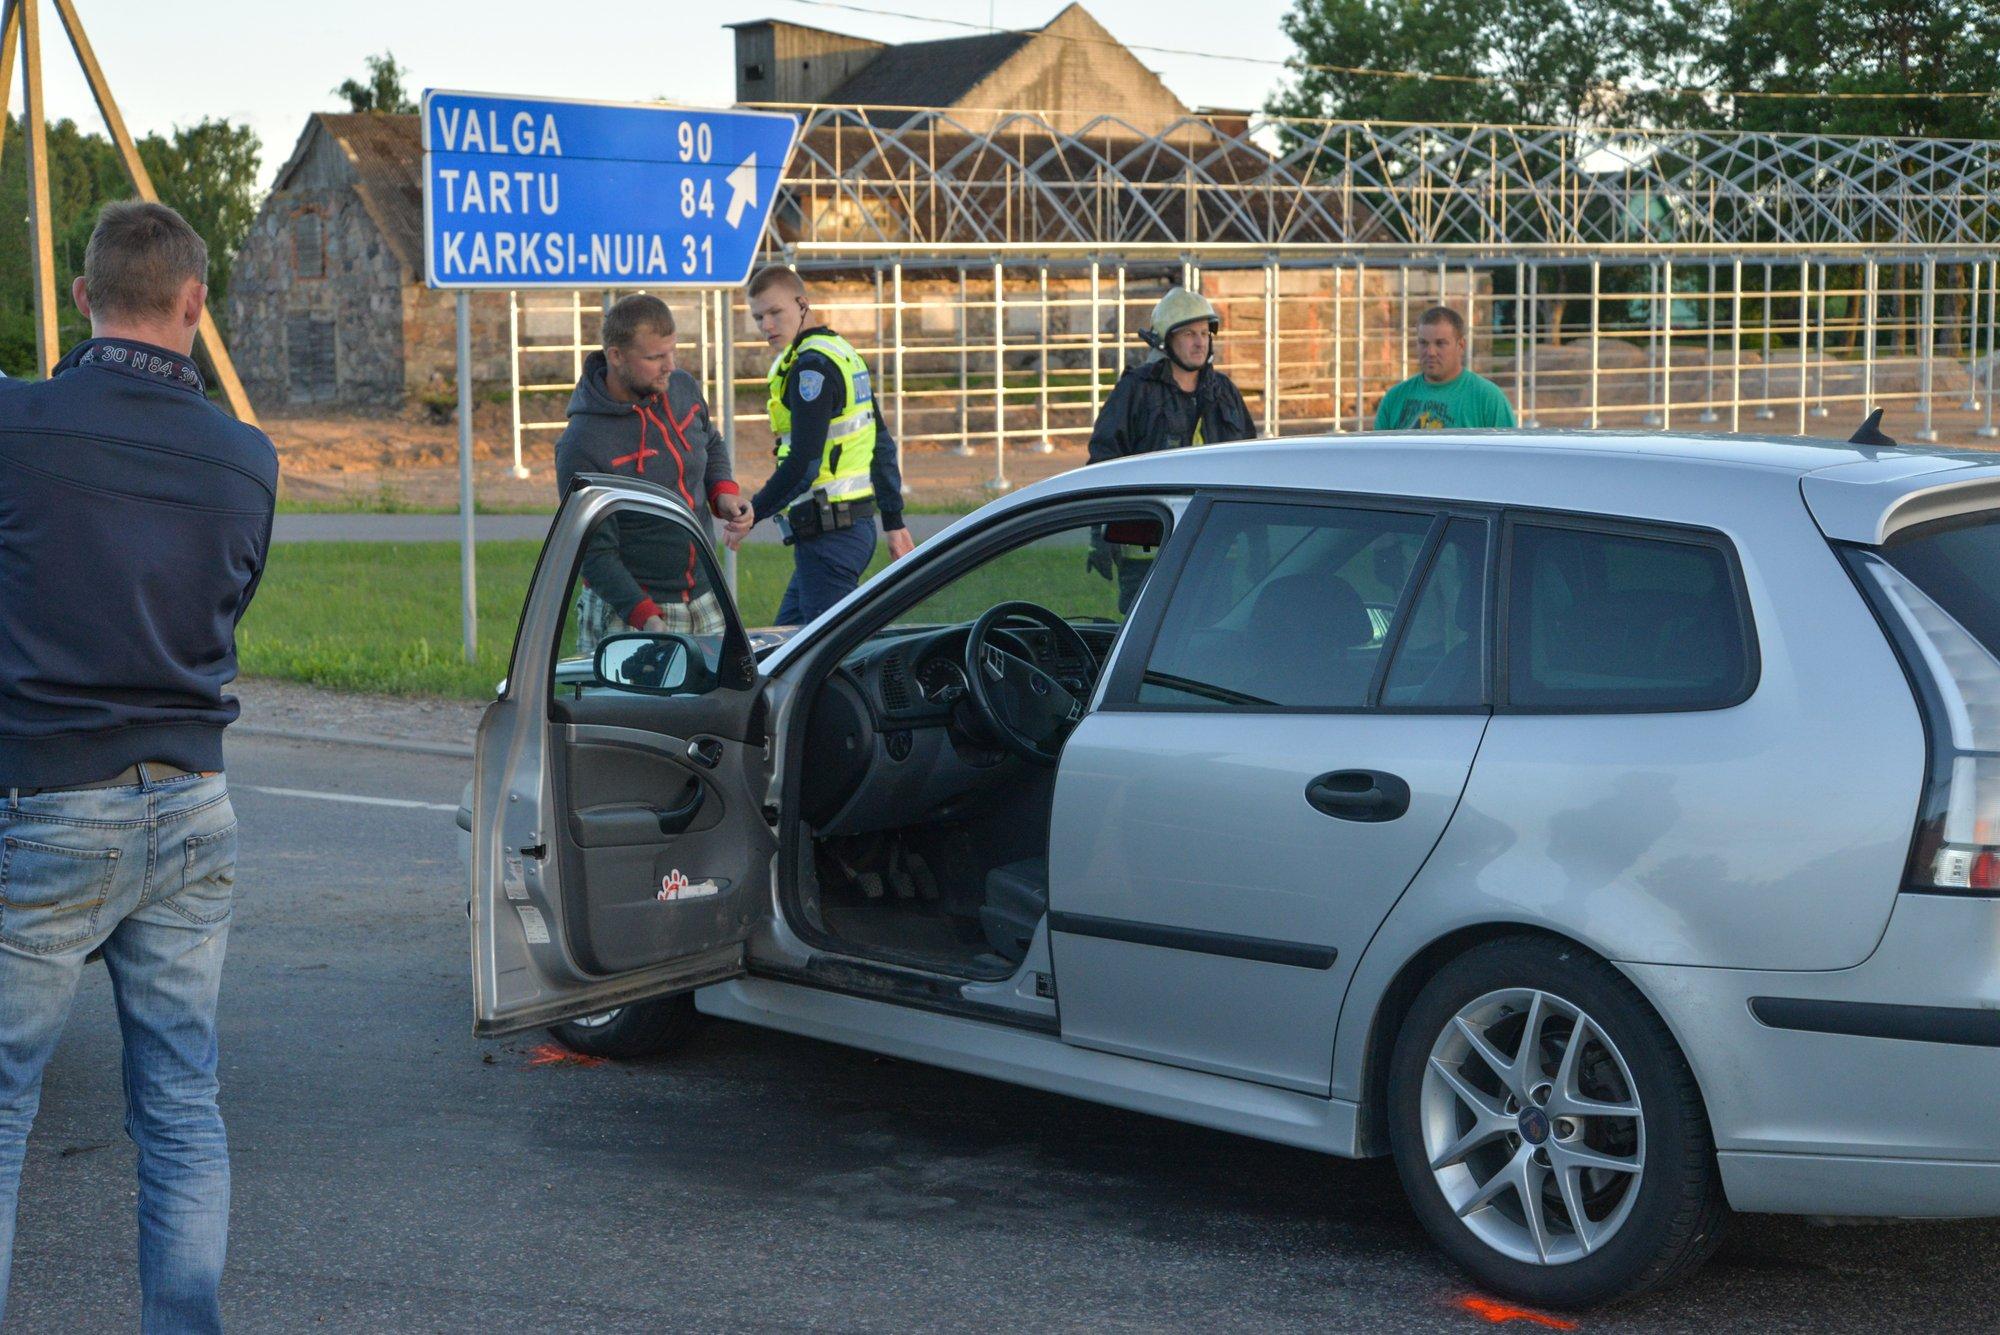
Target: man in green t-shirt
(1445,394)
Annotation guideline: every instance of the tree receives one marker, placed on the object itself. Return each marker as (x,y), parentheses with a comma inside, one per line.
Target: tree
(1652,62)
(208,172)
(1916,47)
(382,90)
(1554,61)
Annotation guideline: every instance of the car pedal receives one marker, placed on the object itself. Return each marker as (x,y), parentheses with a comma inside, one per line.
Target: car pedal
(920,872)
(870,883)
(900,882)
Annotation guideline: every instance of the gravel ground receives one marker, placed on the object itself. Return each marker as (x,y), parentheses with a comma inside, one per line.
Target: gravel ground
(296,707)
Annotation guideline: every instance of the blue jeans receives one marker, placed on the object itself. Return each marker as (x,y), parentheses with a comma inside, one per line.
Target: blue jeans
(149,873)
(825,570)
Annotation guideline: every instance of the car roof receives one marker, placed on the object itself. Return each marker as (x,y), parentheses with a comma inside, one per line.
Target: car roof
(1858,493)
(1793,454)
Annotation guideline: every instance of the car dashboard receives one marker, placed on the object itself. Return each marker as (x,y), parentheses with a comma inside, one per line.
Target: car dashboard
(894,739)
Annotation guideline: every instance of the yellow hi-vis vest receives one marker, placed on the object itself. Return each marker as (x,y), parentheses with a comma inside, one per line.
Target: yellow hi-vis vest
(845,464)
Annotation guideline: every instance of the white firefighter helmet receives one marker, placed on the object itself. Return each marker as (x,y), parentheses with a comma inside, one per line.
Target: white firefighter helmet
(1177,310)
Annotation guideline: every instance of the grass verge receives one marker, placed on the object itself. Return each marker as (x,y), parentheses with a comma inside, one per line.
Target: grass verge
(384,616)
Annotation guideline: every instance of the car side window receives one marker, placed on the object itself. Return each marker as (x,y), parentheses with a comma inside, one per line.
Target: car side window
(651,597)
(1615,621)
(1283,605)
(1440,661)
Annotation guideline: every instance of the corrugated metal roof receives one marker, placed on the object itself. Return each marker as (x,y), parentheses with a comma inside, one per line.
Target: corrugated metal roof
(929,74)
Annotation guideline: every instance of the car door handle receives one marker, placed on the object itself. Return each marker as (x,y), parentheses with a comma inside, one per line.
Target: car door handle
(682,816)
(1359,794)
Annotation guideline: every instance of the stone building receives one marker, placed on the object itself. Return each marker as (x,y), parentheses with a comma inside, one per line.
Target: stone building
(327,302)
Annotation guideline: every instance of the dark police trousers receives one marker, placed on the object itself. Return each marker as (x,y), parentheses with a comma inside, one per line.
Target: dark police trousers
(825,570)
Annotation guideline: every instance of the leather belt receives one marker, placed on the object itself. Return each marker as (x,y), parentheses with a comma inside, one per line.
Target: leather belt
(146,771)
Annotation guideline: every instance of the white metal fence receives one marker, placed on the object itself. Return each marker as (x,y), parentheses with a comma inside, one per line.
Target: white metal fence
(1018,353)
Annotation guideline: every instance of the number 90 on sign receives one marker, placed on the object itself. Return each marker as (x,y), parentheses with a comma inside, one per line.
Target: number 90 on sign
(697,141)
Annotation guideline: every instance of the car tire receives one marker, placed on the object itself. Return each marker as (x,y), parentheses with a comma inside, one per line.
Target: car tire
(643,1029)
(1498,1201)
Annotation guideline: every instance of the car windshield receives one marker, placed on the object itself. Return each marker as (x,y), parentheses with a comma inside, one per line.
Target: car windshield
(1074,572)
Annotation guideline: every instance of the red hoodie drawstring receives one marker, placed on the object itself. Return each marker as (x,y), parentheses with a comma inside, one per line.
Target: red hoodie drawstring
(638,458)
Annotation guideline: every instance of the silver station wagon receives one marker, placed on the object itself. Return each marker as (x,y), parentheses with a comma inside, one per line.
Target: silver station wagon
(1606,827)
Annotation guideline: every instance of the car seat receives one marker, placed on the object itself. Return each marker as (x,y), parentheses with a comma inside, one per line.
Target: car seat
(1304,631)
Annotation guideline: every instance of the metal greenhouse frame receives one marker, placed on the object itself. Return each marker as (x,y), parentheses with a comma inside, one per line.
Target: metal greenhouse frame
(995,269)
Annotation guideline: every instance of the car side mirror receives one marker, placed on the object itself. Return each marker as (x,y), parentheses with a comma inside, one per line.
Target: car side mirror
(646,662)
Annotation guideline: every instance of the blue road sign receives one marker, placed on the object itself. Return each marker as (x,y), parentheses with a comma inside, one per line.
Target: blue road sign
(536,192)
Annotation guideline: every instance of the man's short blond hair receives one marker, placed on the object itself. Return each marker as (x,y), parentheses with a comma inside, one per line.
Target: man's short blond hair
(140,257)
(778,276)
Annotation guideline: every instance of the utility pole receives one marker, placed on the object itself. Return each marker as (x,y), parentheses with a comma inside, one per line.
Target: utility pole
(21,29)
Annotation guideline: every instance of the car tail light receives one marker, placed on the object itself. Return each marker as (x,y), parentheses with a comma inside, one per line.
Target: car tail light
(1957,846)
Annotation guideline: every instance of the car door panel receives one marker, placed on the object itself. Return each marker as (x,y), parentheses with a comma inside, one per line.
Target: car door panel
(627,791)
(1237,819)
(1201,824)
(598,878)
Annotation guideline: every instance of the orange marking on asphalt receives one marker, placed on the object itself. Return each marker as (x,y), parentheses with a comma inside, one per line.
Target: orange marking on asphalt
(1500,1313)
(548,1054)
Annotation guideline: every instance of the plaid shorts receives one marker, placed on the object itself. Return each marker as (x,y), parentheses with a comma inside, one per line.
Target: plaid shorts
(595,619)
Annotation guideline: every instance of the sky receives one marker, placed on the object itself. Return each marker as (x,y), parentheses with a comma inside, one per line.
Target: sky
(271,65)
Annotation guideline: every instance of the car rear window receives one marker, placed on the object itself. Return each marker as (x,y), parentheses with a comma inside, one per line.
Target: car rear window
(1956,562)
(1613,621)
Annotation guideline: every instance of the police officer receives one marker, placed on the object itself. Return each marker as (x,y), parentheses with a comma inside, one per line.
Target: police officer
(1174,398)
(836,460)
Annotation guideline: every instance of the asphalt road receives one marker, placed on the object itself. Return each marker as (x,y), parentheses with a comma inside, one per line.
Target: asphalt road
(393,1174)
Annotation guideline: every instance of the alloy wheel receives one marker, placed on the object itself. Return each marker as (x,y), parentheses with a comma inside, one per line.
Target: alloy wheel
(1532,1126)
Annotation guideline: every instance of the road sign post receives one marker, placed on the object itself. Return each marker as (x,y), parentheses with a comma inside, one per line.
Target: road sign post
(543,193)
(467,573)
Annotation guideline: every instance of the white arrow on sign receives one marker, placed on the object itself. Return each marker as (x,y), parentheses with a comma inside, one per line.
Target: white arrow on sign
(742,189)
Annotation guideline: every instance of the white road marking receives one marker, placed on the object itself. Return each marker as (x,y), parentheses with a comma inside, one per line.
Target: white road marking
(346,797)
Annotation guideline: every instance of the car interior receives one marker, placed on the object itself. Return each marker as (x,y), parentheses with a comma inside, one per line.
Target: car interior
(930,755)
(925,823)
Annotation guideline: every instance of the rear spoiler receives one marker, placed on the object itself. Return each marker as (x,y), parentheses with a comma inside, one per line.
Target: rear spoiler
(1870,502)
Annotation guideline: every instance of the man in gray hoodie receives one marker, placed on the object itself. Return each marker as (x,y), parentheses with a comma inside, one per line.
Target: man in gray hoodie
(635,415)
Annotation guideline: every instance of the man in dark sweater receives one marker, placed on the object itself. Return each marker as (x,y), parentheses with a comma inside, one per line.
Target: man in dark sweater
(134,522)
(634,415)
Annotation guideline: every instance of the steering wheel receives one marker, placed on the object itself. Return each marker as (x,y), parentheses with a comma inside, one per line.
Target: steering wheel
(1030,711)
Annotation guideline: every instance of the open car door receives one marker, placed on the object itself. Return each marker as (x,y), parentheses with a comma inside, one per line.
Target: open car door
(620,849)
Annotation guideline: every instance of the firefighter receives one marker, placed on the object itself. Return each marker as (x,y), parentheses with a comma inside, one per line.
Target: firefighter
(1174,398)
(837,470)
